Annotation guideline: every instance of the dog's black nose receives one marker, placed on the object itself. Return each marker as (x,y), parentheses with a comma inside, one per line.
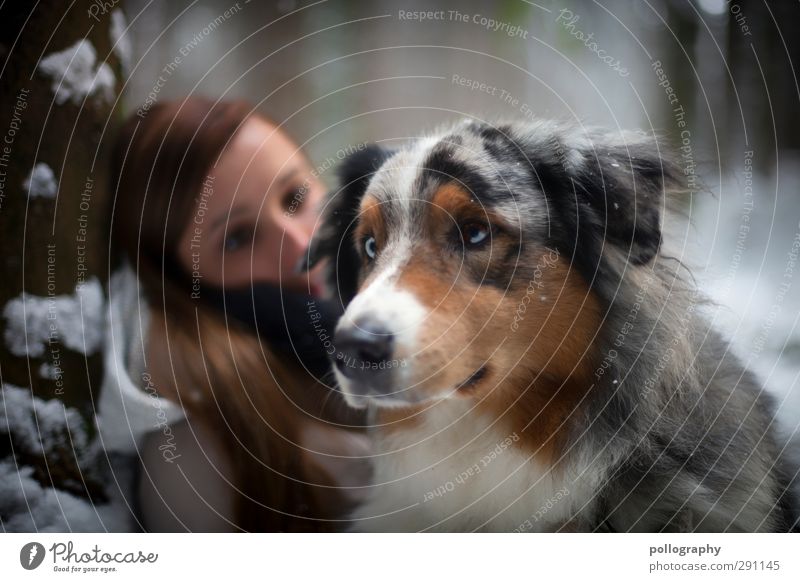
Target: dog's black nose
(363,349)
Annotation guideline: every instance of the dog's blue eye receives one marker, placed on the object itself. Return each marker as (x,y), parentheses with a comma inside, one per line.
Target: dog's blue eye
(370,246)
(474,233)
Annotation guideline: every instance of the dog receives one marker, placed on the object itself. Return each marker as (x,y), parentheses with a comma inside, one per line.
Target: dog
(530,356)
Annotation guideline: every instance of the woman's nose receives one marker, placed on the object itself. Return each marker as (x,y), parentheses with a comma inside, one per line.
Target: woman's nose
(297,235)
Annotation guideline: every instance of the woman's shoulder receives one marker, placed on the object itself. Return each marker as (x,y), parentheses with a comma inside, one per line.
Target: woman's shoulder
(130,406)
(186,480)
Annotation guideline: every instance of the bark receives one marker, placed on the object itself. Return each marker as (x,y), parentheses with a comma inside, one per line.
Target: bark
(51,245)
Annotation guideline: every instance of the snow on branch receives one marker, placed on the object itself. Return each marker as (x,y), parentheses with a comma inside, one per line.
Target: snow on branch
(75,320)
(74,75)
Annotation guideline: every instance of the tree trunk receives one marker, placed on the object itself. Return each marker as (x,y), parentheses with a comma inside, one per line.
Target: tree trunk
(58,84)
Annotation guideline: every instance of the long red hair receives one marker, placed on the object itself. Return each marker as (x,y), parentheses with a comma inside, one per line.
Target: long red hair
(222,375)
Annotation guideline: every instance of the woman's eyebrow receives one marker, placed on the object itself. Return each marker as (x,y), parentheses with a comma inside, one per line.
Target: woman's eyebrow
(225,218)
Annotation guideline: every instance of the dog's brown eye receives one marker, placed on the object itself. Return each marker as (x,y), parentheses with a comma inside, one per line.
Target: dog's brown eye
(474,233)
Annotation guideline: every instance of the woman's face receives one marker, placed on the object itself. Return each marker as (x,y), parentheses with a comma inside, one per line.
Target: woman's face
(254,216)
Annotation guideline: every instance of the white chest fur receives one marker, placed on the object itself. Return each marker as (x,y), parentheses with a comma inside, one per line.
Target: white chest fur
(458,471)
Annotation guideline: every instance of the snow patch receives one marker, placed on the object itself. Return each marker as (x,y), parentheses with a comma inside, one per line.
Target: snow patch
(49,372)
(38,425)
(75,320)
(26,506)
(74,74)
(41,182)
(47,427)
(120,39)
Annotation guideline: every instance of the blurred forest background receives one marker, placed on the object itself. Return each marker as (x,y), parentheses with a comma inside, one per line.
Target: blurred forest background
(341,72)
(715,78)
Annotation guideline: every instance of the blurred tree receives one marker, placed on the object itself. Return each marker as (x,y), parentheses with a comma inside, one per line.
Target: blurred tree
(763,51)
(58,83)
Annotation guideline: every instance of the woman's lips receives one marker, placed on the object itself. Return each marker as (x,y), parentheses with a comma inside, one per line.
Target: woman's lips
(316,283)
(310,283)
(316,289)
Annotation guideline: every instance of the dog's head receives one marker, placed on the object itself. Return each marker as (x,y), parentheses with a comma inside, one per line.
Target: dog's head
(483,253)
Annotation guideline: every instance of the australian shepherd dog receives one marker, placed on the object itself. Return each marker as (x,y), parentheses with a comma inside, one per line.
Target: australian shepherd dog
(531,356)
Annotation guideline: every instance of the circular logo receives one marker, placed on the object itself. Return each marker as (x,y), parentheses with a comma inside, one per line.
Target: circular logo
(31,555)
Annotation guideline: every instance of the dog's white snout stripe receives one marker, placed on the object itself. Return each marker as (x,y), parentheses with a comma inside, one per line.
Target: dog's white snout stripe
(396,310)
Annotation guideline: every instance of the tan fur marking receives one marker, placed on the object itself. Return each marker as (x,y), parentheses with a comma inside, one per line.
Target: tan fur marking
(450,204)
(555,372)
(537,371)
(552,375)
(370,222)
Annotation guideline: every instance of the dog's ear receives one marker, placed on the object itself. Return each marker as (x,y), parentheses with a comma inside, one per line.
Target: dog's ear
(609,192)
(625,186)
(340,212)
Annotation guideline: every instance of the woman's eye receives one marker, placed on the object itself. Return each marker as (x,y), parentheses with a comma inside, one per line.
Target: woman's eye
(370,247)
(474,233)
(237,239)
(293,200)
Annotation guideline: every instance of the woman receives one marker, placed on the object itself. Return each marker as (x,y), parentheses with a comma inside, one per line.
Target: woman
(211,198)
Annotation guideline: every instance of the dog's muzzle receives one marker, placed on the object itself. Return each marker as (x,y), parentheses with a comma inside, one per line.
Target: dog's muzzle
(364,353)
